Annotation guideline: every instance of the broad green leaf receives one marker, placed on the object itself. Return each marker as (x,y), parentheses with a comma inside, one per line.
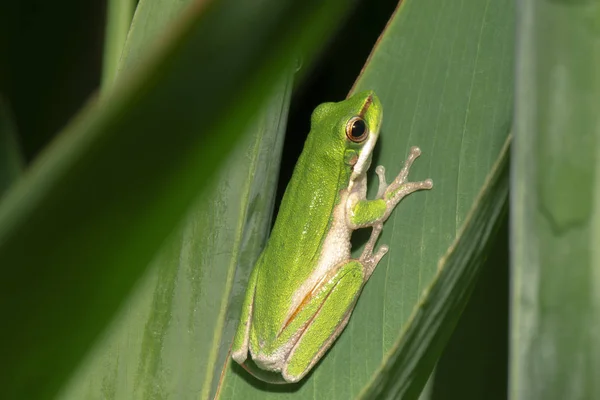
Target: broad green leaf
(80,228)
(118,21)
(152,20)
(555,345)
(443,71)
(474,364)
(167,339)
(414,355)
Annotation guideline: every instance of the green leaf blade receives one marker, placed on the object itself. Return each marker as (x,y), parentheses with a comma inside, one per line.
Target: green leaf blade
(118,20)
(100,202)
(168,338)
(413,357)
(555,350)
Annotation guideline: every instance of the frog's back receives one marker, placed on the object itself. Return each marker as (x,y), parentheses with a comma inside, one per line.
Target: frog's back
(293,249)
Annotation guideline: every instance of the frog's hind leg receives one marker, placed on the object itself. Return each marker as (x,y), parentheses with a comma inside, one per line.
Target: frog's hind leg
(328,322)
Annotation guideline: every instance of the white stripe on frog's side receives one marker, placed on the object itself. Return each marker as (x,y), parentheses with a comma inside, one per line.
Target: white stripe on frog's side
(364,161)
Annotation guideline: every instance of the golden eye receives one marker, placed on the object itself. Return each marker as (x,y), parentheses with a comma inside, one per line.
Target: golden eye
(356,129)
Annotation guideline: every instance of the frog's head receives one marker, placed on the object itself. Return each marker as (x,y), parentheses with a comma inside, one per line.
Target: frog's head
(348,130)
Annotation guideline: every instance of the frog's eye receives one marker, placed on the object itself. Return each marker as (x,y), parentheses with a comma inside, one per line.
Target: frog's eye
(356,129)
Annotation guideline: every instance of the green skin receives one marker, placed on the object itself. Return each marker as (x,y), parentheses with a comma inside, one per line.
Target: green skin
(305,284)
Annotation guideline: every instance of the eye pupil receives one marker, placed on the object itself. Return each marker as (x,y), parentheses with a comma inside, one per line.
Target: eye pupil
(357,130)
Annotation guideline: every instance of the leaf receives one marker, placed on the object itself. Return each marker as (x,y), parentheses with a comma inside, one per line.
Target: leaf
(443,72)
(413,357)
(555,346)
(168,335)
(118,21)
(474,364)
(82,225)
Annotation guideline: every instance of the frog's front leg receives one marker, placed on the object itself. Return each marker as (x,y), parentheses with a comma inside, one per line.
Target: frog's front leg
(373,213)
(400,188)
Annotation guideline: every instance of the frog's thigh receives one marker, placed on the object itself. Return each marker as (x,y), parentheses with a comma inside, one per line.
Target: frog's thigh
(328,323)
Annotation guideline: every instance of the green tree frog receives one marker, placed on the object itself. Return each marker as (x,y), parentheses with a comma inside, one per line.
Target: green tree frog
(305,283)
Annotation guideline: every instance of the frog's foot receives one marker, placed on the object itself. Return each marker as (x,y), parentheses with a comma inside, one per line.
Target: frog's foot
(380,171)
(368,258)
(400,187)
